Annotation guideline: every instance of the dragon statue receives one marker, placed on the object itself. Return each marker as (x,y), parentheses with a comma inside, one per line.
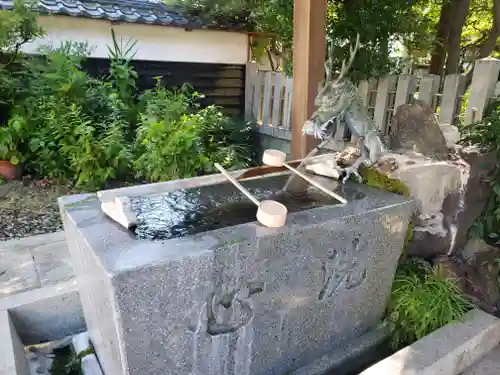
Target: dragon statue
(338,101)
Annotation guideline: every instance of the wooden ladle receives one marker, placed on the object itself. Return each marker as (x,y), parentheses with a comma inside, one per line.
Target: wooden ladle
(277,158)
(270,213)
(120,210)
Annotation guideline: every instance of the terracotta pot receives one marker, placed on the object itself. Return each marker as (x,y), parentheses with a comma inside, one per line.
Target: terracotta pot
(8,170)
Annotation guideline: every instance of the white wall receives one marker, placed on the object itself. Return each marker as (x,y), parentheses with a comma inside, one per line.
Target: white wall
(158,43)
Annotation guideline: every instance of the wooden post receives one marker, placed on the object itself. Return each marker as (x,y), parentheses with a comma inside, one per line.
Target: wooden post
(309,26)
(250,79)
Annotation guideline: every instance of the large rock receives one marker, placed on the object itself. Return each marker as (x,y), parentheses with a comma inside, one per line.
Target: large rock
(476,270)
(451,194)
(415,128)
(477,189)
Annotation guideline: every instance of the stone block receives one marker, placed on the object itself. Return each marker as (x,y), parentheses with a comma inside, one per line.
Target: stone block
(488,365)
(52,262)
(447,351)
(45,314)
(12,360)
(450,195)
(243,300)
(350,357)
(17,271)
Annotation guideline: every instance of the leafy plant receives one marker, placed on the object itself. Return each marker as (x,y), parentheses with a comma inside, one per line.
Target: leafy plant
(122,77)
(486,133)
(66,362)
(10,137)
(177,139)
(71,127)
(422,300)
(17,27)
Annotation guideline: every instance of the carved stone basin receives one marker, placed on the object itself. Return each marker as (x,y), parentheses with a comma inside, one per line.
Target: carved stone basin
(223,294)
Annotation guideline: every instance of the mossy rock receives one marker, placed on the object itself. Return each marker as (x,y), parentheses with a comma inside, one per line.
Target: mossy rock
(378,180)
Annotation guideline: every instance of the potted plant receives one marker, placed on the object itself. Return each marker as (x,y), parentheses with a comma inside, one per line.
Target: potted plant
(10,157)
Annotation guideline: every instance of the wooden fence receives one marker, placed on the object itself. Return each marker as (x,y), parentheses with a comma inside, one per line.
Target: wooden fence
(268,96)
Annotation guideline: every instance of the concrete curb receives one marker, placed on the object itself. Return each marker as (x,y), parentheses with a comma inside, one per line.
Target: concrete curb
(12,360)
(44,314)
(448,351)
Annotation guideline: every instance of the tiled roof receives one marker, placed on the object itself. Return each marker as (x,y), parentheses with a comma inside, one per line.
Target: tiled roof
(153,12)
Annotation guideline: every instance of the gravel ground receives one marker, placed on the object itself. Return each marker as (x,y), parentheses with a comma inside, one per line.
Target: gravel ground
(29,207)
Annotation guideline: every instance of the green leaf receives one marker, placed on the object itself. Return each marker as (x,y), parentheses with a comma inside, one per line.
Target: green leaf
(34,144)
(496,189)
(14,160)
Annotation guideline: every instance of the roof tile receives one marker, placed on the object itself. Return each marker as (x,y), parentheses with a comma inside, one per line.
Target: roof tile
(134,11)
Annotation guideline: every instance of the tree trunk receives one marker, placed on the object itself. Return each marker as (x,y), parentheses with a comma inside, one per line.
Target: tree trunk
(461,8)
(489,45)
(438,49)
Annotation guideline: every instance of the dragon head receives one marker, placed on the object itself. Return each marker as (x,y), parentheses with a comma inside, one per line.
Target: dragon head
(333,99)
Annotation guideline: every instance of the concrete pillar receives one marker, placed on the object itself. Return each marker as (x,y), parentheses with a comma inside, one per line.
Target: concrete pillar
(482,88)
(406,87)
(365,89)
(385,85)
(454,87)
(429,87)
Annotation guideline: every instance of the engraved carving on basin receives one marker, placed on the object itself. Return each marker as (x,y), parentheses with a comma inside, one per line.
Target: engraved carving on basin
(342,269)
(229,312)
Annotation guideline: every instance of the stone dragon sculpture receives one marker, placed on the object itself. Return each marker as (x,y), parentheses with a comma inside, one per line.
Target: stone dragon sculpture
(338,101)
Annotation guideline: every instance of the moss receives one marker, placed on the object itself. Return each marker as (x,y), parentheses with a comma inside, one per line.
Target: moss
(378,180)
(408,239)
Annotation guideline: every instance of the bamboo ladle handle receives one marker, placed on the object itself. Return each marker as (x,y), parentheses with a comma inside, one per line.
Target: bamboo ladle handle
(270,213)
(277,158)
(237,184)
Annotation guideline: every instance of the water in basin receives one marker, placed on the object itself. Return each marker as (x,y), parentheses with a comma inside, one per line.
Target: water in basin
(190,211)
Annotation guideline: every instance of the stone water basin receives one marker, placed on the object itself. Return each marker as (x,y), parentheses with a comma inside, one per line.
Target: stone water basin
(202,288)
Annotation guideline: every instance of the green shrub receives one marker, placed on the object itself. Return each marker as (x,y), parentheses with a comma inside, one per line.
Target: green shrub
(68,126)
(486,134)
(76,126)
(176,139)
(422,300)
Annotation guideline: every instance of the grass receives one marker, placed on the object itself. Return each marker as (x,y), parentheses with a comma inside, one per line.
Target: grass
(422,301)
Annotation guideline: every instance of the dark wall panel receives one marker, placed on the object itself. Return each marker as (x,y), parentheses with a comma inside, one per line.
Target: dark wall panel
(222,85)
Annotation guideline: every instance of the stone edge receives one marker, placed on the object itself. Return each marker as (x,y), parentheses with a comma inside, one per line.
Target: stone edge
(448,351)
(360,350)
(12,359)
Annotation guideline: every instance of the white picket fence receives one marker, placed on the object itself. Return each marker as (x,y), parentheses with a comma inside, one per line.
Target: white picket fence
(268,96)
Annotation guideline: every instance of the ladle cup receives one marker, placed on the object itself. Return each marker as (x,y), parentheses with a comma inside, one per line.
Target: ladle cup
(270,213)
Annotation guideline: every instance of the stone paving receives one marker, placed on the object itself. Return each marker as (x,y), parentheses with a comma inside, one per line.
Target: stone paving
(488,365)
(34,262)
